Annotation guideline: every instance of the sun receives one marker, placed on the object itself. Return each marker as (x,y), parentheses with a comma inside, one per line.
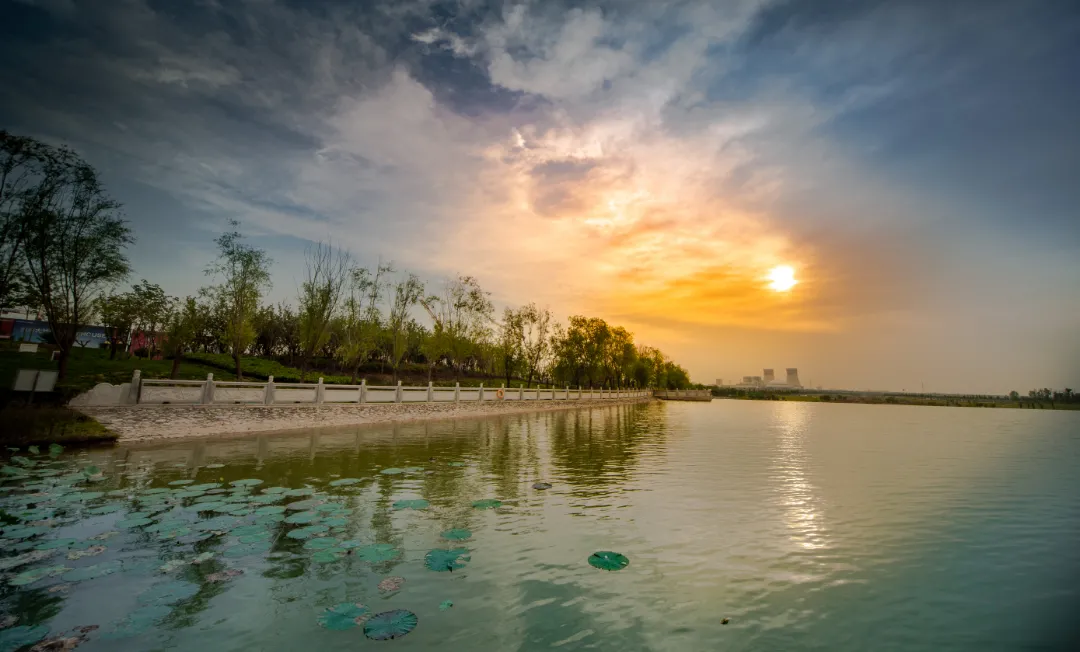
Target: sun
(782,278)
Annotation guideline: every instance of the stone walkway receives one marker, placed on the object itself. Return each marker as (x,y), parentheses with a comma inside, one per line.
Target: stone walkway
(155,422)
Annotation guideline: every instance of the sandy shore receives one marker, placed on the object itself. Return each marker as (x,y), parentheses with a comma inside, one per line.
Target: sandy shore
(157,422)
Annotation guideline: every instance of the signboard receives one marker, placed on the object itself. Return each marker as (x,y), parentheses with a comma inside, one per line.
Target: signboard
(25,330)
(35,380)
(27,348)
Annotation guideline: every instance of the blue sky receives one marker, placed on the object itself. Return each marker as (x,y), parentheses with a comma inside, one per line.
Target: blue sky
(915,162)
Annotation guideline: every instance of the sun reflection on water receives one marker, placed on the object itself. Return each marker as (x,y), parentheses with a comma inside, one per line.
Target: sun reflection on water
(802,513)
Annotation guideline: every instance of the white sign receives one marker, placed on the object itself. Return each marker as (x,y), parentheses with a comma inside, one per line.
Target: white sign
(25,379)
(27,348)
(46,381)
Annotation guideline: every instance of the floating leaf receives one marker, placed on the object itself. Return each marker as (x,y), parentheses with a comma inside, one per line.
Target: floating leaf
(270,519)
(254,538)
(276,490)
(413,469)
(391,584)
(16,638)
(172,565)
(177,483)
(456,534)
(336,521)
(165,526)
(542,485)
(214,466)
(302,505)
(609,561)
(303,491)
(320,543)
(265,499)
(208,506)
(34,449)
(55,449)
(446,560)
(344,482)
(445,604)
(244,530)
(327,556)
(92,551)
(307,532)
(378,552)
(21,560)
(246,482)
(415,503)
(390,624)
(455,463)
(56,543)
(302,517)
(224,575)
(36,574)
(91,572)
(342,616)
(246,549)
(206,486)
(487,503)
(190,493)
(105,509)
(218,523)
(392,471)
(330,507)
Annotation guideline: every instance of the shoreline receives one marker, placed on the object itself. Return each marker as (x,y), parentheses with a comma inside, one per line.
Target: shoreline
(145,423)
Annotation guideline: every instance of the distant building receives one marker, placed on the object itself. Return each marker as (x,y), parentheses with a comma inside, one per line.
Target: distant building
(769,381)
(719,382)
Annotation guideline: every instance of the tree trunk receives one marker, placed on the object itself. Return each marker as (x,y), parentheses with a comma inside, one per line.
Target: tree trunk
(303,368)
(236,358)
(64,353)
(175,367)
(354,372)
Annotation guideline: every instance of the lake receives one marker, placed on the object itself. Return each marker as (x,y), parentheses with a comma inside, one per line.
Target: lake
(808,526)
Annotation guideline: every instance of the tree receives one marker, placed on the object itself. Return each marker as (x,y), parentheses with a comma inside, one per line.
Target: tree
(152,308)
(74,244)
(22,165)
(510,346)
(1014,395)
(328,272)
(407,293)
(459,319)
(358,328)
(536,340)
(181,326)
(118,313)
(244,274)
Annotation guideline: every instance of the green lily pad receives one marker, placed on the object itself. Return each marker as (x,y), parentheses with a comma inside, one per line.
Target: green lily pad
(392,471)
(174,532)
(190,493)
(276,490)
(345,482)
(330,507)
(245,530)
(24,532)
(168,592)
(243,550)
(265,499)
(487,503)
(91,572)
(455,463)
(302,491)
(415,503)
(208,506)
(178,483)
(320,543)
(342,616)
(390,625)
(302,505)
(80,496)
(445,604)
(219,523)
(269,519)
(165,526)
(55,449)
(246,482)
(254,537)
(456,534)
(446,560)
(348,545)
(105,509)
(302,517)
(609,561)
(335,521)
(56,543)
(214,466)
(206,486)
(155,491)
(134,522)
(16,638)
(36,574)
(378,552)
(34,450)
(307,532)
(327,556)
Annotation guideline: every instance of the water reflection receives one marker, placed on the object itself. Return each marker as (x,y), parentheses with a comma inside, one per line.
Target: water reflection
(802,508)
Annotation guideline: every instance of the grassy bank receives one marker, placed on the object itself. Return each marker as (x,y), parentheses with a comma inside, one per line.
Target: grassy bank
(26,425)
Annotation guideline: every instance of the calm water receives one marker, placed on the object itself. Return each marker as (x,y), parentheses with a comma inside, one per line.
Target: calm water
(809,526)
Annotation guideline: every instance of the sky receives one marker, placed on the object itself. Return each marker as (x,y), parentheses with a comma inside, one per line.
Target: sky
(915,163)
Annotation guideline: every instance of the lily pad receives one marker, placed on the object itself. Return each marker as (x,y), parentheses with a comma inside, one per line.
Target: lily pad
(245,530)
(168,592)
(609,561)
(91,572)
(457,534)
(255,538)
(327,556)
(330,507)
(345,482)
(307,532)
(302,505)
(455,463)
(342,616)
(391,584)
(276,490)
(446,560)
(243,550)
(134,522)
(105,509)
(302,517)
(55,449)
(246,482)
(178,483)
(487,503)
(392,471)
(56,543)
(219,523)
(36,574)
(16,638)
(445,604)
(378,552)
(415,503)
(335,521)
(214,466)
(206,486)
(390,625)
(265,499)
(269,519)
(302,491)
(320,543)
(542,485)
(208,506)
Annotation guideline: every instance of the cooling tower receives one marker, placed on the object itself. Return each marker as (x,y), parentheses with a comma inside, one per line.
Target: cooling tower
(747,380)
(793,377)
(769,377)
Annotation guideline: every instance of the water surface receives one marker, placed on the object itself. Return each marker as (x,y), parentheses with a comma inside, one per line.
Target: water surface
(808,526)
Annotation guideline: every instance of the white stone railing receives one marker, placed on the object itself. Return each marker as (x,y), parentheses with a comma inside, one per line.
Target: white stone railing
(215,392)
(683,394)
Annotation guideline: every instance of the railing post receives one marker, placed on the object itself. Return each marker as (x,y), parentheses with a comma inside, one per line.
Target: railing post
(521,392)
(481,392)
(135,390)
(319,392)
(457,392)
(268,391)
(567,397)
(397,393)
(208,390)
(430,392)
(363,391)
(502,388)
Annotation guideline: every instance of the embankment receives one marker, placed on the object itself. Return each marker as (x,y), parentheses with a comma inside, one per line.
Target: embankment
(159,422)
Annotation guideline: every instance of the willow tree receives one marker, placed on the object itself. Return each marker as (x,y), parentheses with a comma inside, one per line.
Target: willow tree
(407,293)
(328,272)
(244,274)
(358,327)
(73,243)
(460,316)
(181,327)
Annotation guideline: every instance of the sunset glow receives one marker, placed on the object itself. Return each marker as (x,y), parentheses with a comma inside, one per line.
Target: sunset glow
(782,278)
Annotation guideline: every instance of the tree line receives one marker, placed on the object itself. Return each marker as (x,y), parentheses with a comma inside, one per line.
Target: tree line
(63,242)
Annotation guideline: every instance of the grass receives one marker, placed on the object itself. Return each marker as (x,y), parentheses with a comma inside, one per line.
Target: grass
(26,425)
